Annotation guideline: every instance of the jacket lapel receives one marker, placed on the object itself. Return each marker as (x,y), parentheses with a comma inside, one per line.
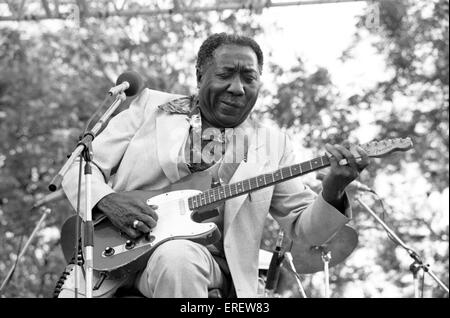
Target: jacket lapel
(172,131)
(253,166)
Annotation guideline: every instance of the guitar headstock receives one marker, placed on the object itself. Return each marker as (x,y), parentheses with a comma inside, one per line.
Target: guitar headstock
(385,147)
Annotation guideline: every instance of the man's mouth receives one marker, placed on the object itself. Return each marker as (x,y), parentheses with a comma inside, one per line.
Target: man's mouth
(229,108)
(231,104)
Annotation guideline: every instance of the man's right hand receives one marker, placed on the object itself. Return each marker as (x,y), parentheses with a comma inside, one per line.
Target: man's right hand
(123,208)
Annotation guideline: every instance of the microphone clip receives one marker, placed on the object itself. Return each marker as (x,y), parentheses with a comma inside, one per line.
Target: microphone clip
(118,89)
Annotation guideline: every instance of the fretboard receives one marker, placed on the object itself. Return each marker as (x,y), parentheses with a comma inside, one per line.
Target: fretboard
(232,190)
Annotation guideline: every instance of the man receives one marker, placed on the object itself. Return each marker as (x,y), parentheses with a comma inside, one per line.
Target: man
(154,143)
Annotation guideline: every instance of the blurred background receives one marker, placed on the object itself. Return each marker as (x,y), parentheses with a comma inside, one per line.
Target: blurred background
(333,71)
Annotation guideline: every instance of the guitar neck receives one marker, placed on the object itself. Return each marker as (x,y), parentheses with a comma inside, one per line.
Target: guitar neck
(232,190)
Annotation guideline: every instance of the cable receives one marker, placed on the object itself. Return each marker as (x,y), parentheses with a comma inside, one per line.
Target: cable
(76,258)
(94,115)
(383,216)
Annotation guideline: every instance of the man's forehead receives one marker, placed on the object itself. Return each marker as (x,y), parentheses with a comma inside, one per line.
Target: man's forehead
(231,55)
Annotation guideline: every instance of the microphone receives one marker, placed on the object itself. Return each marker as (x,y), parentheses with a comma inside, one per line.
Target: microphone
(128,82)
(354,185)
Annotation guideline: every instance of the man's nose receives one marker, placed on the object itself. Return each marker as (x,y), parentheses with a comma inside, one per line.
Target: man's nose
(236,87)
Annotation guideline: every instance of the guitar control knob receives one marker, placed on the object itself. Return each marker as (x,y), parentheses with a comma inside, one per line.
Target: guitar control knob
(129,244)
(109,251)
(150,238)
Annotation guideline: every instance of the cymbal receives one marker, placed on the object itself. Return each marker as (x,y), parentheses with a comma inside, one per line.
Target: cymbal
(307,258)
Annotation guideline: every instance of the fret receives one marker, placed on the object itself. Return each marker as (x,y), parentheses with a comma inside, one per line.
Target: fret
(296,169)
(194,199)
(251,183)
(221,192)
(261,180)
(239,187)
(202,199)
(310,164)
(227,187)
(277,175)
(304,167)
(247,187)
(325,160)
(286,172)
(233,190)
(216,192)
(315,163)
(254,183)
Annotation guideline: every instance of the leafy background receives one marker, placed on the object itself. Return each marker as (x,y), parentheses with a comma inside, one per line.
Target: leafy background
(54,74)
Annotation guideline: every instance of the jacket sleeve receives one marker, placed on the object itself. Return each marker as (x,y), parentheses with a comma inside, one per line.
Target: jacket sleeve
(302,213)
(108,149)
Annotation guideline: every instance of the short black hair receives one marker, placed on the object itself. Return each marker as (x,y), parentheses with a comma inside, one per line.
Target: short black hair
(206,51)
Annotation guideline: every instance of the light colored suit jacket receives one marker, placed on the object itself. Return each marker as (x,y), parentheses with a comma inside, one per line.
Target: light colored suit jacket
(140,147)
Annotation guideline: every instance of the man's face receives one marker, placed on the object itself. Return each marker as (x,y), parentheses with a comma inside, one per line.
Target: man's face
(229,86)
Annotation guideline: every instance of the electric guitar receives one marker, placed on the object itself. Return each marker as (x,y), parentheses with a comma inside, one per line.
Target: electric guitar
(181,208)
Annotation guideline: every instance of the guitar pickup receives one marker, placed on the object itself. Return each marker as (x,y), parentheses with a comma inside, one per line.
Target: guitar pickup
(205,215)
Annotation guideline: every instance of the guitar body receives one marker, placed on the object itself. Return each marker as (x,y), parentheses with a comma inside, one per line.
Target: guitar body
(111,252)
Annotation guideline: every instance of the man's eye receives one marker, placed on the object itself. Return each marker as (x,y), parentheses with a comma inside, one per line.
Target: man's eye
(249,79)
(223,75)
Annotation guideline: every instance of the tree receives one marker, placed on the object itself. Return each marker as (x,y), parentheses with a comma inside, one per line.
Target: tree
(412,36)
(52,80)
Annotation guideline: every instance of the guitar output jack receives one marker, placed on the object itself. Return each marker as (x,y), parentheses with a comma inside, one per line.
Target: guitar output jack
(149,238)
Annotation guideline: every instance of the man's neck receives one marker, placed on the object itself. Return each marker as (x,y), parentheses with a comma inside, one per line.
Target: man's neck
(206,125)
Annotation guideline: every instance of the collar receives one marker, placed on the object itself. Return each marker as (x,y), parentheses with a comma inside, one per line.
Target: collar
(184,105)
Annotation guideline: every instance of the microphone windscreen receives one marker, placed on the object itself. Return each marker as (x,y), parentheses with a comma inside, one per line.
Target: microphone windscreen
(134,79)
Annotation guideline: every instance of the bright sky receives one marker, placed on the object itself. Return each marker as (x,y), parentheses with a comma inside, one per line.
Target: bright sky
(319,34)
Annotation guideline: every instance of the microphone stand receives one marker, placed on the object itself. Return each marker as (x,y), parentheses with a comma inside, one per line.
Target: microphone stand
(417,264)
(84,151)
(297,279)
(273,273)
(46,212)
